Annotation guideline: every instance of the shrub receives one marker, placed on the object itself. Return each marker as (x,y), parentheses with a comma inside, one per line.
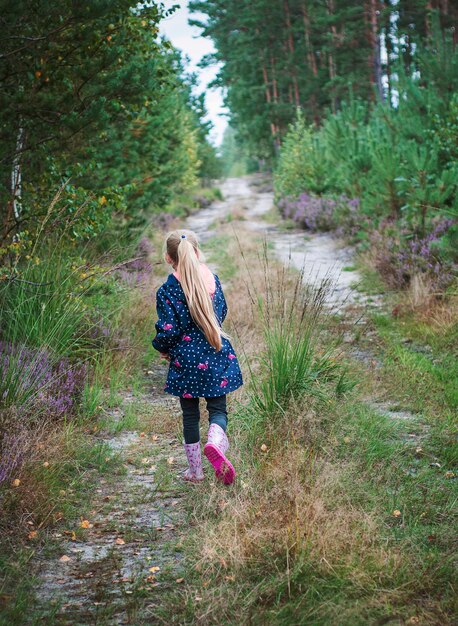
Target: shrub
(400,257)
(294,362)
(317,213)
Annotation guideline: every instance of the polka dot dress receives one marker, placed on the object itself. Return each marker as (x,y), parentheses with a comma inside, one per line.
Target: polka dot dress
(196,369)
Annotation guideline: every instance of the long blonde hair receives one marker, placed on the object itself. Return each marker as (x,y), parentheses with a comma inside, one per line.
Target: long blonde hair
(183,249)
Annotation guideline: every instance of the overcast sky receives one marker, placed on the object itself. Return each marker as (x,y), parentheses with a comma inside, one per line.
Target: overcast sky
(189,40)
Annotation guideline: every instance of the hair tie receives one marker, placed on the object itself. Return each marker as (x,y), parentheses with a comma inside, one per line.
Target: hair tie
(183,236)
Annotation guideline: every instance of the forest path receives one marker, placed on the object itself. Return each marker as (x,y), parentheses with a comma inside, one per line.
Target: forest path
(113,567)
(104,570)
(321,255)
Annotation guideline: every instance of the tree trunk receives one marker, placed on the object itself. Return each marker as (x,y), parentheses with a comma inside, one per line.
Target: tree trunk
(331,60)
(275,101)
(389,50)
(375,63)
(16,176)
(290,41)
(268,96)
(311,59)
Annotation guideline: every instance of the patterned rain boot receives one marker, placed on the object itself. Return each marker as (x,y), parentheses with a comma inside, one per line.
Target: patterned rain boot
(195,472)
(215,449)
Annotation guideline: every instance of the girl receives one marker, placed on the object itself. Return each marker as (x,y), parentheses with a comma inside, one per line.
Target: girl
(191,308)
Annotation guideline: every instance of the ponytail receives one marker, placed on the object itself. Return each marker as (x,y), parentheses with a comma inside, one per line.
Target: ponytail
(182,247)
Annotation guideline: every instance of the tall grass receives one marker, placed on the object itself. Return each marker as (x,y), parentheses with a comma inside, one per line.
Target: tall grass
(41,321)
(295,361)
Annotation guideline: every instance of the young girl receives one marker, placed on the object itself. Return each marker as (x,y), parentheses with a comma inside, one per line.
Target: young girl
(191,308)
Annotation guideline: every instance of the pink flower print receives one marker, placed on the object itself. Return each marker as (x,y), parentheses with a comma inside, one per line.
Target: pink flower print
(168,326)
(186,338)
(187,395)
(167,301)
(231,356)
(203,366)
(179,302)
(177,363)
(224,382)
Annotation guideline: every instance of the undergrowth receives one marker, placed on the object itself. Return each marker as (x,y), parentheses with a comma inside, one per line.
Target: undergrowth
(341,513)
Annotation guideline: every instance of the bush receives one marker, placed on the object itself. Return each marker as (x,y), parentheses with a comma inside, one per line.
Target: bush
(317,213)
(294,362)
(400,257)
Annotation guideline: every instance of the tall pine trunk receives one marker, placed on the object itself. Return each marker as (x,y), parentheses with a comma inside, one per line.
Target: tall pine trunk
(331,57)
(311,58)
(374,61)
(290,41)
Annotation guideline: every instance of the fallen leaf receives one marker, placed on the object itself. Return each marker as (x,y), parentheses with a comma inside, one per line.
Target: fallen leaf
(85,523)
(73,535)
(154,569)
(229,578)
(120,541)
(449,475)
(396,513)
(155,437)
(16,482)
(65,558)
(46,464)
(171,460)
(179,580)
(264,448)
(32,534)
(347,439)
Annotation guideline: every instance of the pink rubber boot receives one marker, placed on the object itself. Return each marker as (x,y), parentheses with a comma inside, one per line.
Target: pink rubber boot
(195,472)
(215,450)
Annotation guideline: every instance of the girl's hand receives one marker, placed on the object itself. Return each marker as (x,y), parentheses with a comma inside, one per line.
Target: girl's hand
(165,355)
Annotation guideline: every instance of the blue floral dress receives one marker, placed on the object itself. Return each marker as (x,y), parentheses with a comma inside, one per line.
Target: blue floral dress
(196,369)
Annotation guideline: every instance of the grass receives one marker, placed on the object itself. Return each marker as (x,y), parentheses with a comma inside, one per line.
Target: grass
(342,513)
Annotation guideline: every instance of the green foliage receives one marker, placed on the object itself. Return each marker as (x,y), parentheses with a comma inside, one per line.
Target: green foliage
(301,165)
(277,55)
(400,161)
(95,104)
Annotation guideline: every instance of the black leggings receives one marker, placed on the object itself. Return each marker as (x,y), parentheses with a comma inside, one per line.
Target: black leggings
(190,406)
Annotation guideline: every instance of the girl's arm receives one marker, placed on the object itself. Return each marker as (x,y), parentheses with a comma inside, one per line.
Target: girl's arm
(223,301)
(168,326)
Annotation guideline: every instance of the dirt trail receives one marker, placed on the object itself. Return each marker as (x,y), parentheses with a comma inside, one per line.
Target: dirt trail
(321,255)
(103,575)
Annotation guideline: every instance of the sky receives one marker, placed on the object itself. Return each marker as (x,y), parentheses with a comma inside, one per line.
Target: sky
(188,39)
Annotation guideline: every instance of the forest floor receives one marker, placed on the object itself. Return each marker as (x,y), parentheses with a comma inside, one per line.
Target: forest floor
(125,561)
